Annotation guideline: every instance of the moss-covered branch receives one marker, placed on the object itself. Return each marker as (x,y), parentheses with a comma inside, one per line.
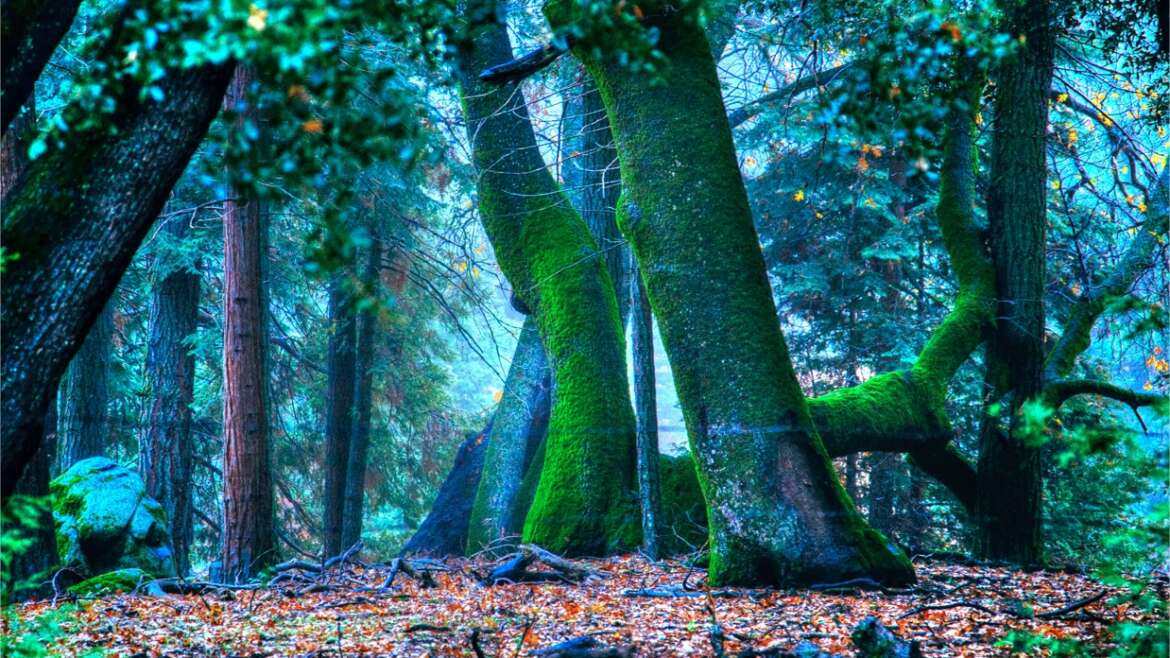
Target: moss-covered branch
(1058,392)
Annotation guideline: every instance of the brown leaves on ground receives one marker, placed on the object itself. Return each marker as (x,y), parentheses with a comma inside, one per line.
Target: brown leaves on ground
(354,617)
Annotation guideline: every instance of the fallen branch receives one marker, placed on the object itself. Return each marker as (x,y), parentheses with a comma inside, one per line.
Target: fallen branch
(584,647)
(515,569)
(1072,607)
(677,592)
(949,606)
(401,564)
(527,64)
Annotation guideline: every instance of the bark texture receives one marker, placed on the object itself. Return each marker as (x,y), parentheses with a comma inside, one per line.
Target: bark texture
(645,413)
(85,395)
(1008,507)
(338,407)
(777,513)
(165,455)
(584,503)
(29,32)
(248,530)
(76,218)
(444,531)
(518,425)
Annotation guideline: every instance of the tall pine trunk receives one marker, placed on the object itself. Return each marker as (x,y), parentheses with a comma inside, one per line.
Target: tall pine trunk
(338,407)
(248,530)
(645,412)
(359,440)
(165,455)
(777,513)
(85,394)
(1009,503)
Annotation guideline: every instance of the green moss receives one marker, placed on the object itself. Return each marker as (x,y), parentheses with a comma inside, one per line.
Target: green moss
(890,412)
(684,512)
(111,582)
(545,249)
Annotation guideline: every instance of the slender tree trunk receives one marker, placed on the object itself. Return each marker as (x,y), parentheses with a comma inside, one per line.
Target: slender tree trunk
(29,32)
(338,408)
(883,491)
(166,450)
(646,413)
(248,530)
(777,513)
(1008,507)
(75,218)
(522,407)
(584,502)
(85,416)
(367,331)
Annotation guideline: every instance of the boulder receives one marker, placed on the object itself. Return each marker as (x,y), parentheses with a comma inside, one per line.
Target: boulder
(105,521)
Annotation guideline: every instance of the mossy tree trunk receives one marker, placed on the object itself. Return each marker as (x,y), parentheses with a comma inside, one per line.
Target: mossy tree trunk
(517,425)
(776,512)
(1009,503)
(646,413)
(584,502)
(75,218)
(165,453)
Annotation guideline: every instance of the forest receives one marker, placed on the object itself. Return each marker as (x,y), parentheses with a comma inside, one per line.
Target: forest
(584,328)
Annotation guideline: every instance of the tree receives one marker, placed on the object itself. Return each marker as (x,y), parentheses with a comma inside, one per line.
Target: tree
(777,512)
(1008,506)
(30,31)
(339,406)
(584,501)
(75,241)
(165,451)
(85,393)
(248,532)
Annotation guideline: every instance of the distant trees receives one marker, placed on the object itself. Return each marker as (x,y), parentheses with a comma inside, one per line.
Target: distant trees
(339,407)
(165,451)
(249,538)
(84,410)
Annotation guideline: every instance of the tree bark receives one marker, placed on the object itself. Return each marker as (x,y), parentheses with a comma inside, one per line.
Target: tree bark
(521,414)
(359,446)
(76,217)
(85,391)
(777,512)
(29,32)
(584,503)
(645,413)
(339,407)
(165,456)
(444,531)
(248,529)
(1009,502)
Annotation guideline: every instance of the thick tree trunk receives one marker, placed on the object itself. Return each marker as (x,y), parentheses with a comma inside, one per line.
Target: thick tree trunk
(164,456)
(85,395)
(777,512)
(248,531)
(1008,507)
(76,217)
(338,408)
(584,502)
(363,376)
(522,413)
(645,413)
(29,32)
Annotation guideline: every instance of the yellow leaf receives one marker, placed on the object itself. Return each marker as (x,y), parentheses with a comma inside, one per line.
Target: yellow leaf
(1056,185)
(1062,98)
(257,18)
(312,126)
(1072,136)
(862,164)
(798,196)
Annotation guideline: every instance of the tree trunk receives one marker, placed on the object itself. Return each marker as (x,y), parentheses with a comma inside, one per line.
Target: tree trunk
(522,412)
(777,512)
(34,567)
(248,530)
(1008,507)
(359,445)
(584,503)
(75,218)
(84,418)
(29,32)
(646,413)
(883,491)
(444,531)
(338,407)
(165,454)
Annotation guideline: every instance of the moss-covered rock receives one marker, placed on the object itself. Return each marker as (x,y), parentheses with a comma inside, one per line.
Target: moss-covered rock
(105,521)
(111,582)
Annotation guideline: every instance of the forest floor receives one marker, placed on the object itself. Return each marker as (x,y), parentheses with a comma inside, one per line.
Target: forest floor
(953,611)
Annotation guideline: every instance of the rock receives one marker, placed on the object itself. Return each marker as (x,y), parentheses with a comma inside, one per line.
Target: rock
(112,582)
(106,522)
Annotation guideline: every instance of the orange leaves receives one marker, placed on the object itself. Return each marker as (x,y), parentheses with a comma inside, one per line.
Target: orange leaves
(312,126)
